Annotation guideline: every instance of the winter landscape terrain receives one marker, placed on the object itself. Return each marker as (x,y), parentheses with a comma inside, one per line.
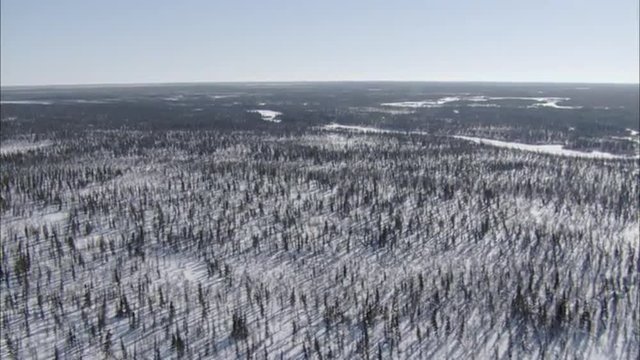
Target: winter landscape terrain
(320,221)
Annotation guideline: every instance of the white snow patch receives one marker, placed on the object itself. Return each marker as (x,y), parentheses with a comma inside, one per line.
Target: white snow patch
(392,111)
(540,101)
(633,132)
(55,217)
(424,103)
(84,101)
(545,149)
(32,219)
(411,104)
(20,146)
(488,105)
(366,129)
(268,115)
(177,269)
(26,102)
(631,234)
(552,102)
(174,98)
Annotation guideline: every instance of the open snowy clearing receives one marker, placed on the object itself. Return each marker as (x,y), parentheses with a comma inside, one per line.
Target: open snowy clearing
(552,102)
(366,129)
(25,102)
(392,111)
(552,149)
(431,103)
(84,101)
(545,149)
(174,98)
(268,115)
(14,147)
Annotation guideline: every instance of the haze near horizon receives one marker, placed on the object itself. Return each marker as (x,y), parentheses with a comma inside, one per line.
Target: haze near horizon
(76,42)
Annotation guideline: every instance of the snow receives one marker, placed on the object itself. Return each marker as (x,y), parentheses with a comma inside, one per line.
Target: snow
(633,132)
(545,149)
(483,105)
(268,115)
(631,235)
(366,129)
(178,269)
(25,102)
(84,101)
(174,98)
(552,102)
(424,103)
(259,280)
(13,224)
(540,101)
(391,111)
(20,146)
(411,104)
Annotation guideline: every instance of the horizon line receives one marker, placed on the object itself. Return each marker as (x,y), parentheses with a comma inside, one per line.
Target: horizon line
(206,82)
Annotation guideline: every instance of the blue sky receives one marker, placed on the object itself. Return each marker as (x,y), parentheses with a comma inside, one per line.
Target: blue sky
(117,41)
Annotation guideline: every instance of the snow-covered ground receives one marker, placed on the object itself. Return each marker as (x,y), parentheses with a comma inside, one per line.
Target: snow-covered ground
(8,147)
(26,102)
(339,243)
(387,110)
(430,103)
(544,149)
(268,115)
(174,97)
(366,129)
(483,101)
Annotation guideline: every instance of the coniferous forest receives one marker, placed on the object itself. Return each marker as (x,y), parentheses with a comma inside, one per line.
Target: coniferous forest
(320,221)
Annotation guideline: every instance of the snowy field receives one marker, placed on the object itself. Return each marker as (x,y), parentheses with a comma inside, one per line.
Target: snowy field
(545,149)
(8,147)
(366,129)
(268,115)
(25,102)
(484,101)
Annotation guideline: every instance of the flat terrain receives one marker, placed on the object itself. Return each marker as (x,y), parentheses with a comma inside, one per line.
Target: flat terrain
(320,220)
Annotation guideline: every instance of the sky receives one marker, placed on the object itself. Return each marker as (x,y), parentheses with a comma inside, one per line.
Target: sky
(149,41)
